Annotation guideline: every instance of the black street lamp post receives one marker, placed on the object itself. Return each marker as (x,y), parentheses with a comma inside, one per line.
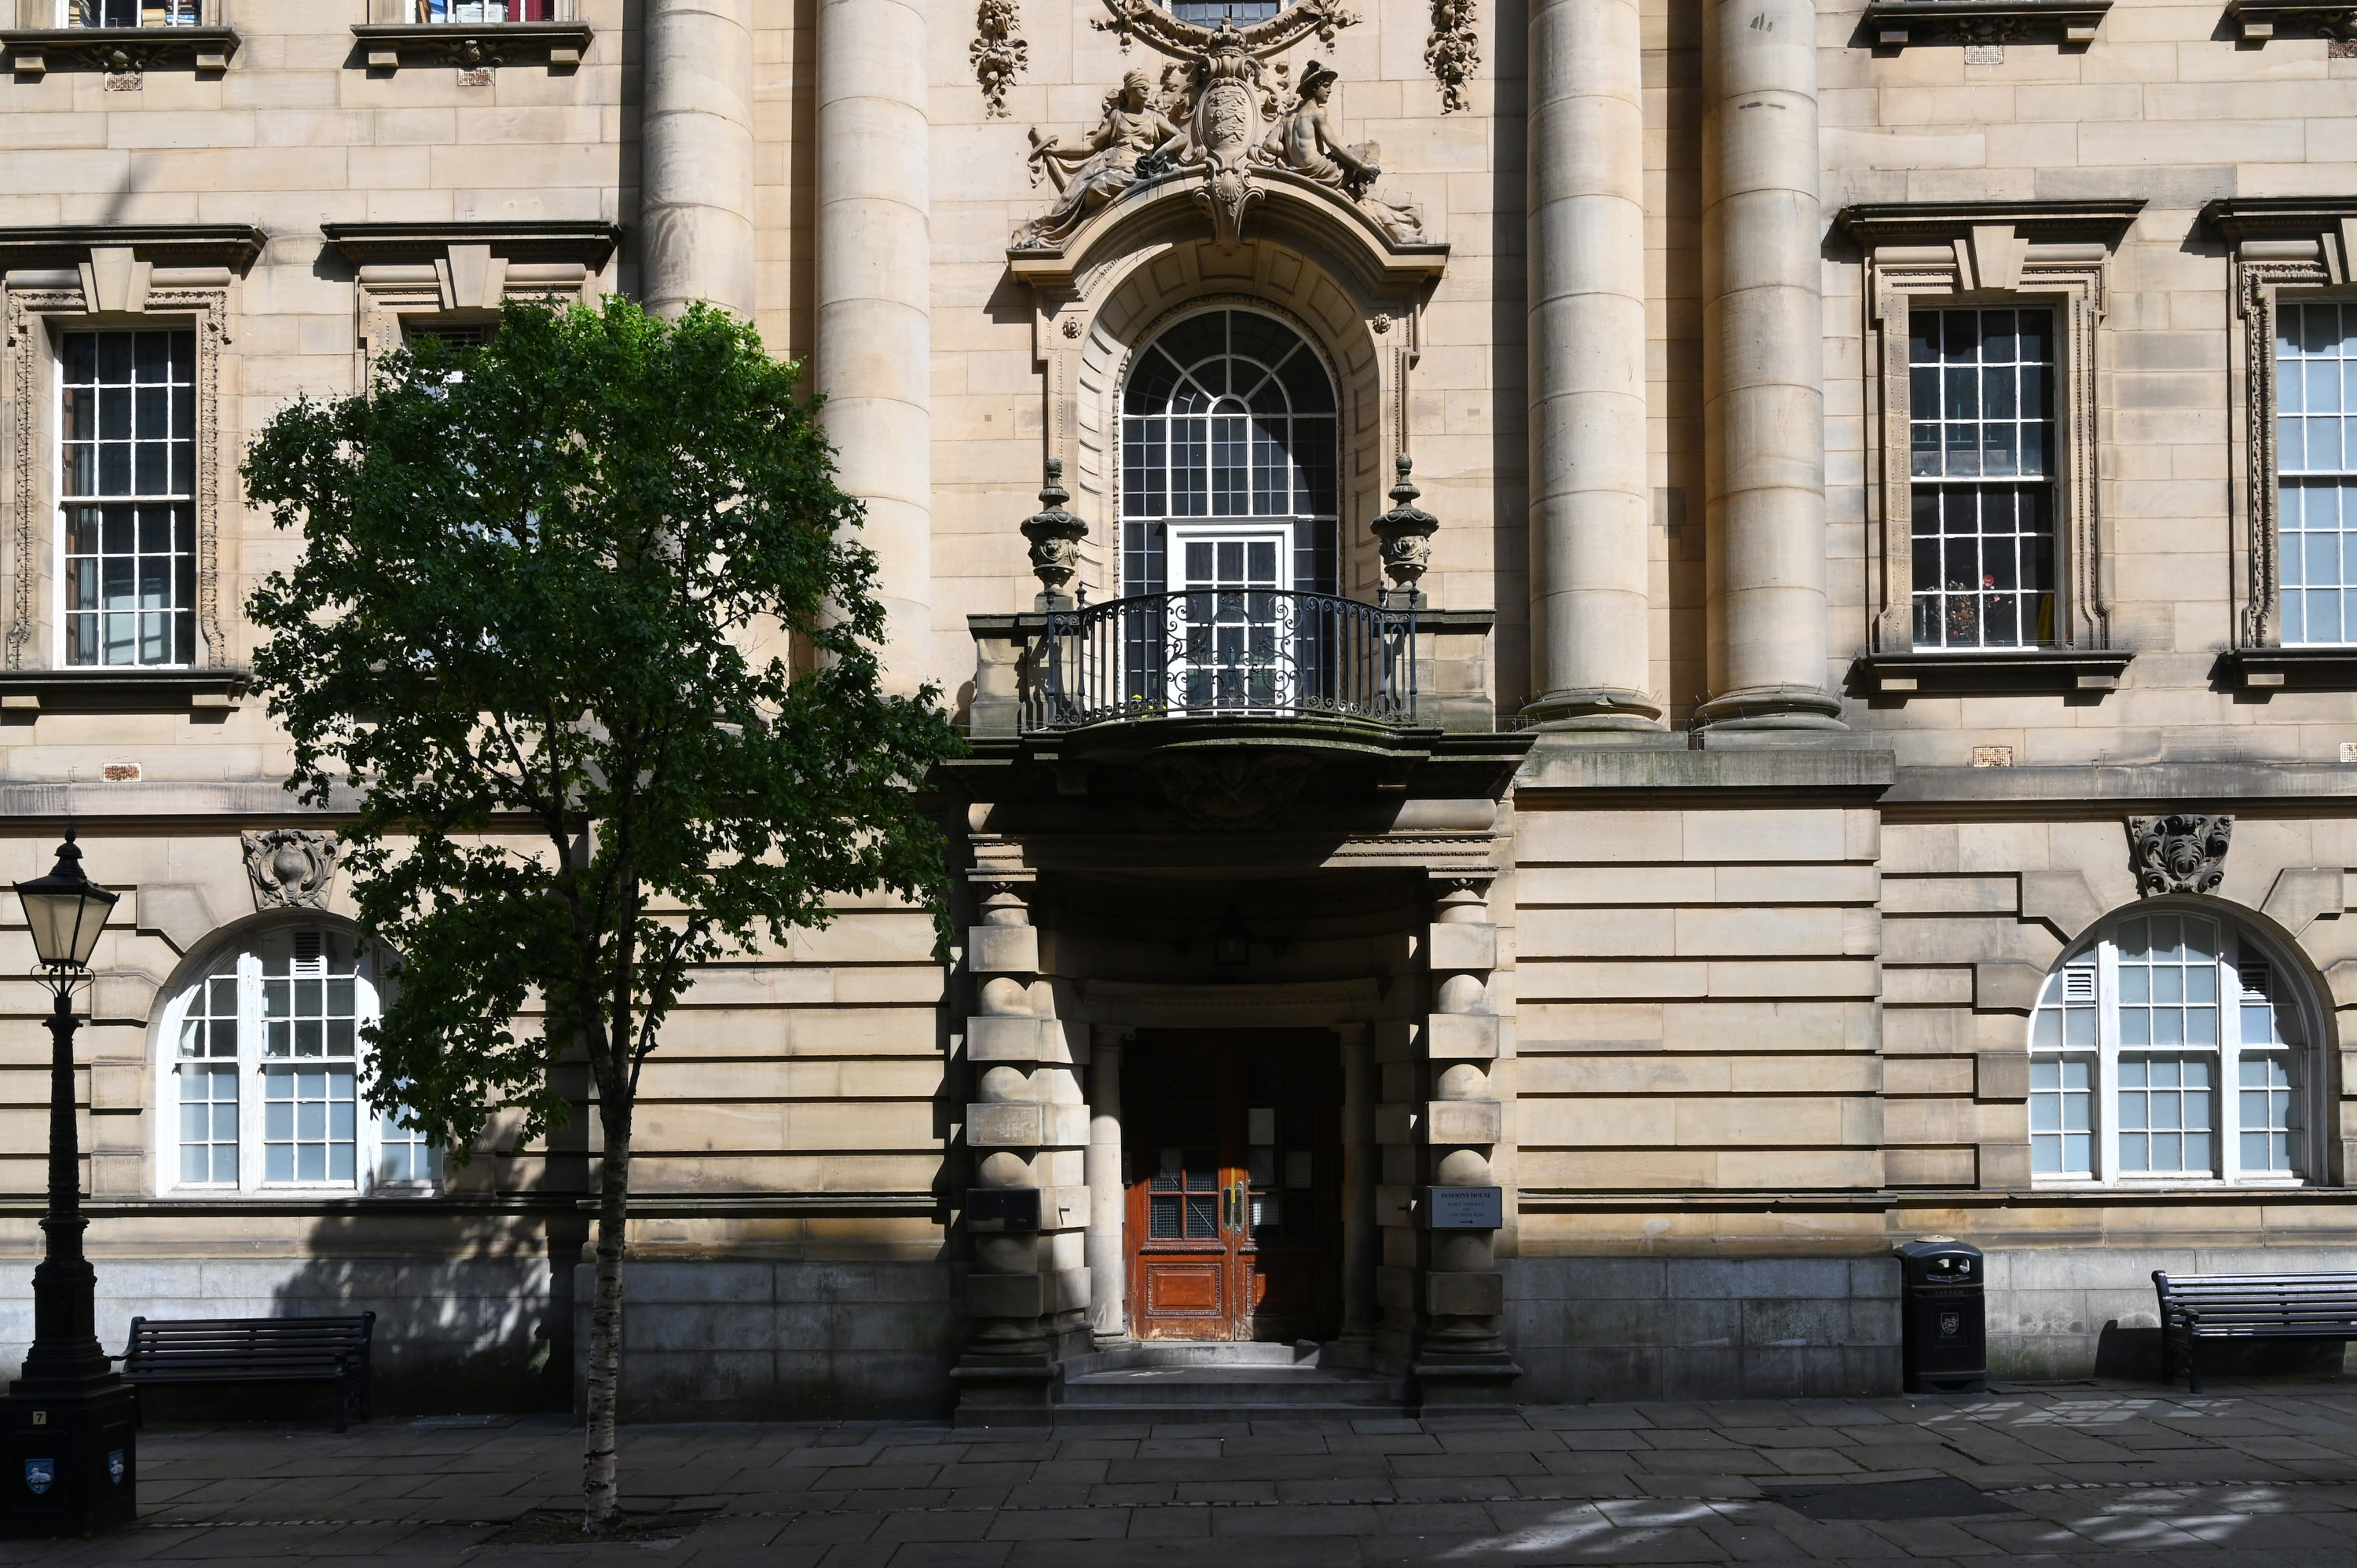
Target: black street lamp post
(68,1465)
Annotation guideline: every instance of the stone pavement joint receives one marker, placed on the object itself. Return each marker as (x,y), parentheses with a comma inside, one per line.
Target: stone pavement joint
(2257,1473)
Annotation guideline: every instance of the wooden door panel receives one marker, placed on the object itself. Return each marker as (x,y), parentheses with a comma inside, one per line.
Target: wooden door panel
(1186,1287)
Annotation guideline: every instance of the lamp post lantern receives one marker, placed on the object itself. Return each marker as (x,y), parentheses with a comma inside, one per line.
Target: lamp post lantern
(67,1452)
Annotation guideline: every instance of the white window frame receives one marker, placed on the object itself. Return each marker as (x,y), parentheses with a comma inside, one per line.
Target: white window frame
(66,9)
(2226,1128)
(251,1067)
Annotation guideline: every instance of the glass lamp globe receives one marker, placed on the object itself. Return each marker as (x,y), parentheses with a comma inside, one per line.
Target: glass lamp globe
(66,910)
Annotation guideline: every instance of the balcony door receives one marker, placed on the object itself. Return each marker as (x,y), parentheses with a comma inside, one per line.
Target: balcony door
(1231,645)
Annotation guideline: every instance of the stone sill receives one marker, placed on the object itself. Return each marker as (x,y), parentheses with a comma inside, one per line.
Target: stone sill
(1898,676)
(2266,670)
(121,691)
(472,45)
(2259,22)
(1896,23)
(32,49)
(1537,1202)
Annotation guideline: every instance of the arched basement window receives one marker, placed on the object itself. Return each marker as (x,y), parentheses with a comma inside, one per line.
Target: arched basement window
(2173,1048)
(1228,456)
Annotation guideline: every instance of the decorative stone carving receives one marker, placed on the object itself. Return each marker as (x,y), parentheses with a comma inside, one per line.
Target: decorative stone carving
(1406,533)
(290,867)
(1231,789)
(1055,535)
(997,53)
(1453,52)
(1152,21)
(2181,853)
(1216,120)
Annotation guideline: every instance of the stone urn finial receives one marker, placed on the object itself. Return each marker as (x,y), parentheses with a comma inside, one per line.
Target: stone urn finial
(1406,533)
(1055,535)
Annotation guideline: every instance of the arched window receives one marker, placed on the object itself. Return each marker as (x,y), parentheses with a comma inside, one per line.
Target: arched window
(1228,442)
(258,1073)
(2173,1048)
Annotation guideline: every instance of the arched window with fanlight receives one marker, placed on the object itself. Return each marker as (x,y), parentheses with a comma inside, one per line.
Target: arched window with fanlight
(1229,459)
(259,1073)
(2174,1046)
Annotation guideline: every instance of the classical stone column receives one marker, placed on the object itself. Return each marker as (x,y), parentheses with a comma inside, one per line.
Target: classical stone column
(1028,1291)
(1763,368)
(696,151)
(1590,578)
(1108,1200)
(874,350)
(1462,1359)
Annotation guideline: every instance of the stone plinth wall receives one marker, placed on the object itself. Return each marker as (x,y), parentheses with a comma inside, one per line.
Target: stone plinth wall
(458,1335)
(2090,1312)
(1696,1328)
(723,1340)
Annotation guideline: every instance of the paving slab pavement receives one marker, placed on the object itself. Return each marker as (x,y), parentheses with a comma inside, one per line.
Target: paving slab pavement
(2248,1476)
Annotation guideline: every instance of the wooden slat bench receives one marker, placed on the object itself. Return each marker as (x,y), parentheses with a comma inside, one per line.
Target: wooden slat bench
(2198,1307)
(175,1354)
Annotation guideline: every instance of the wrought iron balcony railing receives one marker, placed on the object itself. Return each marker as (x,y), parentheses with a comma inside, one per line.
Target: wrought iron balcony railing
(1226,652)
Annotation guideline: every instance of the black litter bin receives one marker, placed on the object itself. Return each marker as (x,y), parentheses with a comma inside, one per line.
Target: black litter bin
(1943,1322)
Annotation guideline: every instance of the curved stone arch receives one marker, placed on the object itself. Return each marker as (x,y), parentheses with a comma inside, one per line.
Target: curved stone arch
(2310,992)
(226,940)
(1367,340)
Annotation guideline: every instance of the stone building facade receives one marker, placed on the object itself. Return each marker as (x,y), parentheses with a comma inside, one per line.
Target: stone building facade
(1845,731)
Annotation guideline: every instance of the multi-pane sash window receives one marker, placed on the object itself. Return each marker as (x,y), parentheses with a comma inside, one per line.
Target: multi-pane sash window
(1228,414)
(133,13)
(127,458)
(2316,469)
(1981,393)
(265,1069)
(2165,1052)
(485,10)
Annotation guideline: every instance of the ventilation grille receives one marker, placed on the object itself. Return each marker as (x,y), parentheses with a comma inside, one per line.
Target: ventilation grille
(310,950)
(2258,978)
(2079,985)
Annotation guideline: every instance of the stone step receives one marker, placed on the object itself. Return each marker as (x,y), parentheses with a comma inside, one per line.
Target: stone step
(1229,1392)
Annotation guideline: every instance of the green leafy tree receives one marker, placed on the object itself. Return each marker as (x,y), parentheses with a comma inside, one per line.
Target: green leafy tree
(539,625)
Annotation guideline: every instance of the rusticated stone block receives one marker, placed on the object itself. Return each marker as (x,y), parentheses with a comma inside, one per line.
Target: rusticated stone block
(1007,1037)
(1395,1040)
(1463,1121)
(1395,1288)
(1471,944)
(1395,1123)
(1005,1126)
(1462,1037)
(1002,949)
(2001,1075)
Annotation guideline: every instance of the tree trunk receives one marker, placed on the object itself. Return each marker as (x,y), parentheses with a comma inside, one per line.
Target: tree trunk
(600,1494)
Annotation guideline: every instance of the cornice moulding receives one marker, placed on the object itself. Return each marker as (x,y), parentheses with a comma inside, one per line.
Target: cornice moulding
(32,50)
(471,45)
(233,245)
(2259,21)
(591,243)
(2276,217)
(2069,670)
(1896,23)
(1938,222)
(118,689)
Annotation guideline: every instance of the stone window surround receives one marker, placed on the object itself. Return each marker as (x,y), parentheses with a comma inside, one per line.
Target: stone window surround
(40,39)
(393,37)
(462,272)
(1988,255)
(58,279)
(2305,245)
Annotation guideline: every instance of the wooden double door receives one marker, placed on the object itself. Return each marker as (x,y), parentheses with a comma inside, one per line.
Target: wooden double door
(1231,1140)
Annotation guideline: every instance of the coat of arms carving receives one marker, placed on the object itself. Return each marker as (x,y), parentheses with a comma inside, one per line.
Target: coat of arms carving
(2181,853)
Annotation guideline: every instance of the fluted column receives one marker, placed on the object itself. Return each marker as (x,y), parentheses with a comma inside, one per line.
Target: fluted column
(1589,573)
(1763,367)
(874,349)
(695,198)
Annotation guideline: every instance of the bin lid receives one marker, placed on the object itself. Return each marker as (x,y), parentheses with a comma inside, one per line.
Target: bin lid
(1940,1260)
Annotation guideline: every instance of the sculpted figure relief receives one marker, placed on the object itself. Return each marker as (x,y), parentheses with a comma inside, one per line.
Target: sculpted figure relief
(1218,124)
(1302,141)
(1104,163)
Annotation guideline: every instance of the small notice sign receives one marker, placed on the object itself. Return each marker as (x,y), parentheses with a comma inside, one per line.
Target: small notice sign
(1464,1208)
